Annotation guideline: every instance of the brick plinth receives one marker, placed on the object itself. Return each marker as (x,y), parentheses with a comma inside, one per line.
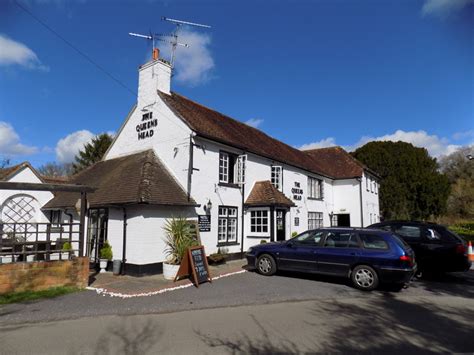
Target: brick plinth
(41,275)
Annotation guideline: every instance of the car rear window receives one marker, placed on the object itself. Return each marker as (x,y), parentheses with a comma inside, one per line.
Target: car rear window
(373,241)
(412,232)
(341,240)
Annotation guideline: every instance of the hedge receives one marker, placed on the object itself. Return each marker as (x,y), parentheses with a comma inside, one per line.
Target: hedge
(465,229)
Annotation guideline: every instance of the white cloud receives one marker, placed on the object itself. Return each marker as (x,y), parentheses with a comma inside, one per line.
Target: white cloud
(323,143)
(68,147)
(16,53)
(254,122)
(443,8)
(435,145)
(10,142)
(193,64)
(463,135)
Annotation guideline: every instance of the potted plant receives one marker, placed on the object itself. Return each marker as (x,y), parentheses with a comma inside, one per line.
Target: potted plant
(178,238)
(217,258)
(68,248)
(105,256)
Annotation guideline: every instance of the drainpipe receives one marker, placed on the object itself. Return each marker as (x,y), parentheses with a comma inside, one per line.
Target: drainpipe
(190,165)
(361,204)
(124,246)
(242,217)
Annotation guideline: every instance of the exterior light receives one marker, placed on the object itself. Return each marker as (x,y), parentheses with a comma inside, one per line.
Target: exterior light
(208,207)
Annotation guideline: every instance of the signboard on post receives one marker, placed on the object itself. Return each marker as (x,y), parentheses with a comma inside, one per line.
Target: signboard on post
(195,264)
(204,222)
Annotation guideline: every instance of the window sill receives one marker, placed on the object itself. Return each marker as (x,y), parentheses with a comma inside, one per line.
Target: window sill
(315,199)
(227,244)
(258,236)
(227,184)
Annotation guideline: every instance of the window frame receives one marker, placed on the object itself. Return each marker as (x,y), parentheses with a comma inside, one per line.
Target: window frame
(225,174)
(267,217)
(227,218)
(319,218)
(315,192)
(274,177)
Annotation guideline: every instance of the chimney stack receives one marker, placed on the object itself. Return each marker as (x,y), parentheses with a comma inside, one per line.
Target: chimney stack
(152,76)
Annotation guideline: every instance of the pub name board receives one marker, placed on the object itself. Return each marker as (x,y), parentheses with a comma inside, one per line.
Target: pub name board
(297,191)
(145,127)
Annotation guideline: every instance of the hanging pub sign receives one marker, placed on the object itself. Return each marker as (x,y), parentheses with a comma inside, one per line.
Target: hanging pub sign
(195,264)
(297,191)
(145,127)
(204,222)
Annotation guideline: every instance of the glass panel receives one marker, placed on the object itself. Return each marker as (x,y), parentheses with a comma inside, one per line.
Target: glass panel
(371,241)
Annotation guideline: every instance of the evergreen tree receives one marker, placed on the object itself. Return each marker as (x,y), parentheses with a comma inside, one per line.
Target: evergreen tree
(411,186)
(92,152)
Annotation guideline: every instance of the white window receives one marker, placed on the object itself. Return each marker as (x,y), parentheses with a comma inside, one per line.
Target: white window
(276,177)
(315,188)
(223,167)
(372,183)
(231,168)
(367,183)
(315,220)
(240,167)
(259,221)
(227,225)
(376,187)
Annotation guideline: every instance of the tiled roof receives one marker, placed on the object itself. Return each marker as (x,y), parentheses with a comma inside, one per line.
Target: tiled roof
(6,173)
(139,178)
(265,194)
(337,162)
(219,127)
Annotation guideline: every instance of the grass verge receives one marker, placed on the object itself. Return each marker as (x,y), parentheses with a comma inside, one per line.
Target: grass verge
(33,295)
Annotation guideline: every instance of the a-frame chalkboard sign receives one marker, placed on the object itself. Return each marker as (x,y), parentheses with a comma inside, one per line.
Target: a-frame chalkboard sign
(195,264)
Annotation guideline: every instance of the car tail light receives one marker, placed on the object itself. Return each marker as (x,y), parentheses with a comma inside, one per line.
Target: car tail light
(460,249)
(407,258)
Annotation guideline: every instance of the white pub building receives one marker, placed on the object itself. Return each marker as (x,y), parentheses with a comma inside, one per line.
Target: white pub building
(175,157)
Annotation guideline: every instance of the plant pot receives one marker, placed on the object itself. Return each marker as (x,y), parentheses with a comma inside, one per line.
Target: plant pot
(103,265)
(117,266)
(170,271)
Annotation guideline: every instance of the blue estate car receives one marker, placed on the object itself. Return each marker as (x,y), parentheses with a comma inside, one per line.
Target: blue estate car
(367,257)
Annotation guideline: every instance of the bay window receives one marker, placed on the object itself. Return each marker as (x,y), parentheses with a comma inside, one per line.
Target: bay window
(259,221)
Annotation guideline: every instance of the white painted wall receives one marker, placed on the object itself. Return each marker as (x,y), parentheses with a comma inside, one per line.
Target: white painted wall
(370,197)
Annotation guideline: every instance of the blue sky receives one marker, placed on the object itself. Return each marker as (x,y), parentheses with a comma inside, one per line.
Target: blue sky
(310,73)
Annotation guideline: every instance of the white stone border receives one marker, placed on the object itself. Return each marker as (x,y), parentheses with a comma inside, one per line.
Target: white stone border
(104,292)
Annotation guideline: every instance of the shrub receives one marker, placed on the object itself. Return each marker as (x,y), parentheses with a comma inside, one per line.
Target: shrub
(178,239)
(294,234)
(464,229)
(106,251)
(263,241)
(67,246)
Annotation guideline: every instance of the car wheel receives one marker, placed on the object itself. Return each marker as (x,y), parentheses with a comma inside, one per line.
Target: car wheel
(266,265)
(364,278)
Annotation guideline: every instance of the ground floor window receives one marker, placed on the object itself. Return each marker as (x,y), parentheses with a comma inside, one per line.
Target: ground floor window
(259,221)
(227,225)
(315,220)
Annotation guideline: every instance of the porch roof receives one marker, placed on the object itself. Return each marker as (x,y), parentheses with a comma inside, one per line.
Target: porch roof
(139,178)
(265,194)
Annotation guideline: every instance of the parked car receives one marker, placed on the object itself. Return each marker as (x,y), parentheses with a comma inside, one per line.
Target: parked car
(367,257)
(437,249)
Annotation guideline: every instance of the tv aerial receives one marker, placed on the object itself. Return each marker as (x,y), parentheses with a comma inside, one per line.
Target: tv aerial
(171,38)
(179,24)
(154,37)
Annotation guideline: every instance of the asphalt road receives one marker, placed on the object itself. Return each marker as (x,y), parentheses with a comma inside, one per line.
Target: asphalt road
(250,313)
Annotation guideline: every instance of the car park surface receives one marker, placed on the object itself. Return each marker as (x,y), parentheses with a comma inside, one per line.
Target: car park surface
(437,249)
(366,257)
